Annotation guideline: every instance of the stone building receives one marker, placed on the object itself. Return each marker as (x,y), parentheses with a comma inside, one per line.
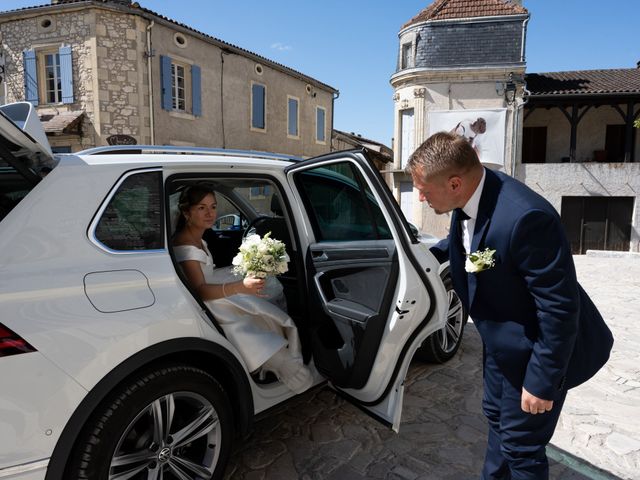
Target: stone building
(380,154)
(568,135)
(452,56)
(580,151)
(112,71)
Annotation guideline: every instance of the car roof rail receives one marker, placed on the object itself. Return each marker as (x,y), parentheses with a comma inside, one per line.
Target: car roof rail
(177,150)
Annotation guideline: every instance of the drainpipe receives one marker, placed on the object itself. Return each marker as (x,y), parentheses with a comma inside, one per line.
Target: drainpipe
(150,55)
(516,122)
(524,38)
(333,107)
(519,106)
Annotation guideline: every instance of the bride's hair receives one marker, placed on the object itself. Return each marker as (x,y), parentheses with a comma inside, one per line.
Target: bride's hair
(190,196)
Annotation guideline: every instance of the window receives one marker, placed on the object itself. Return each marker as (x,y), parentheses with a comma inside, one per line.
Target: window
(133,218)
(534,145)
(229,217)
(320,124)
(258,97)
(177,88)
(48,76)
(406,137)
(61,148)
(52,82)
(292,117)
(407,57)
(340,204)
(181,86)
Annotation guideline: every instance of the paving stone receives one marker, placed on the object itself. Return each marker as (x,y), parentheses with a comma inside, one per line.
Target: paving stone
(622,444)
(321,433)
(320,436)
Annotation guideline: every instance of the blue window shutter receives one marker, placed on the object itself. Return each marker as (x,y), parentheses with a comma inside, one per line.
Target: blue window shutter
(66,74)
(257,112)
(293,117)
(30,76)
(196,94)
(165,79)
(320,125)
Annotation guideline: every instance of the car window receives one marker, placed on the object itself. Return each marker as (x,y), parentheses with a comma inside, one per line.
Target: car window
(229,217)
(258,194)
(13,188)
(341,205)
(133,218)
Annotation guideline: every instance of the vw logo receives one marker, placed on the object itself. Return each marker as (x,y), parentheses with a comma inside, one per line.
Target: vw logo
(164,455)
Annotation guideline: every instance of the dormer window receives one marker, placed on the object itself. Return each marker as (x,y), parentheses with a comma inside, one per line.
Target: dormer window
(407,56)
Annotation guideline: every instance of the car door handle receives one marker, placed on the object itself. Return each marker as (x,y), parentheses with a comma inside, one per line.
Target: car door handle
(319,256)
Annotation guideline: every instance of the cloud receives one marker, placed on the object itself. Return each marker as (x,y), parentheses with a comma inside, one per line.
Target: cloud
(281,46)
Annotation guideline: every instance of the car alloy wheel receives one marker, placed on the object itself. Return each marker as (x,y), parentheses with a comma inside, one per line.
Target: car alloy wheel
(178,433)
(170,423)
(443,344)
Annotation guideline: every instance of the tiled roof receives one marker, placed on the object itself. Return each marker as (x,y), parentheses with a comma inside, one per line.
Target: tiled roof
(136,6)
(452,9)
(585,82)
(64,122)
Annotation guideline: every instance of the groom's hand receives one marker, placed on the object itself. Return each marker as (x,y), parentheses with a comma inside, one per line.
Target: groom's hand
(532,404)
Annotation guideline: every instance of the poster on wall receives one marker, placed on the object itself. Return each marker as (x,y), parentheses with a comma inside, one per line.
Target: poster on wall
(483,129)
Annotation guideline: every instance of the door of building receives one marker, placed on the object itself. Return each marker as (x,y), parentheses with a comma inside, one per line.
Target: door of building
(597,223)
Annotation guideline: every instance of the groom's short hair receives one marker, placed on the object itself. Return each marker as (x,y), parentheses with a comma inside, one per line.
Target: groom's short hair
(443,153)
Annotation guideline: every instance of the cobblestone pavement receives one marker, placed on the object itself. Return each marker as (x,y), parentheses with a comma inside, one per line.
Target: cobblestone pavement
(318,435)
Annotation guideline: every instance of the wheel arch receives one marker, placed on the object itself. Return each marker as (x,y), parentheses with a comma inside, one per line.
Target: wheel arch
(210,357)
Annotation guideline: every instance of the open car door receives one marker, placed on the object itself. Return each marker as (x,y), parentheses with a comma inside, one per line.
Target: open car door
(371,304)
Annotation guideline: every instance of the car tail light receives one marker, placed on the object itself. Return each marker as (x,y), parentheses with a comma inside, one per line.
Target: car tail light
(12,344)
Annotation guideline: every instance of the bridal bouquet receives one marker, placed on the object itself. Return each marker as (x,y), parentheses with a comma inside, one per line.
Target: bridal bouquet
(261,257)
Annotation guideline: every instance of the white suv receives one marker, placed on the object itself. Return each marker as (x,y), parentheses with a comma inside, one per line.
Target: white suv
(110,365)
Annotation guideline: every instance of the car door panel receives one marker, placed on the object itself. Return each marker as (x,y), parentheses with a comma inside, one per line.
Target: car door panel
(351,283)
(370,302)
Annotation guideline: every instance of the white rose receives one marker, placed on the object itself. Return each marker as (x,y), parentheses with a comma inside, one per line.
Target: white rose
(237,260)
(471,267)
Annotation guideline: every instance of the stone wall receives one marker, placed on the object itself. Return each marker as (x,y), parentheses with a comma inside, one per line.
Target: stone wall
(121,65)
(75,29)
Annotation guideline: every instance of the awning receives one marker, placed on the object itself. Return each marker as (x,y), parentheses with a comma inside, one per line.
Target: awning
(63,123)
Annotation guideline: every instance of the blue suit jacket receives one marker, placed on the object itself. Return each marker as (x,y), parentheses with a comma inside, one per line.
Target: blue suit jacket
(534,318)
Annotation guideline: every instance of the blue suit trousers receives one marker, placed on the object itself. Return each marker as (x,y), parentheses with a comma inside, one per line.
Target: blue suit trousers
(517,440)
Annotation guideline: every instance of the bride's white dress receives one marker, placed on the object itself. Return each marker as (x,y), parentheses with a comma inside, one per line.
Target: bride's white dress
(255,326)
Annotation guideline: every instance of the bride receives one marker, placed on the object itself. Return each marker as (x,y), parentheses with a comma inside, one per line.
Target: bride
(265,335)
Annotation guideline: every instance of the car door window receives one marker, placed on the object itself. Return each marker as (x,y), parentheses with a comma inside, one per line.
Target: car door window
(132,220)
(229,217)
(340,204)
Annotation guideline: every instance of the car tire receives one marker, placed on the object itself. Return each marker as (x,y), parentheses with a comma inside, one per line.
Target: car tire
(443,344)
(129,430)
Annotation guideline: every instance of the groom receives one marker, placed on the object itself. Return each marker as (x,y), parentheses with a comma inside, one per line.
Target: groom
(541,333)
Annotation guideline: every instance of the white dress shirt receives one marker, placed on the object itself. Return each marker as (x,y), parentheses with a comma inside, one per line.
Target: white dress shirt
(471,209)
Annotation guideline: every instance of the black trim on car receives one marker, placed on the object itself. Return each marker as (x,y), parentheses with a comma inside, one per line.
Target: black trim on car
(207,355)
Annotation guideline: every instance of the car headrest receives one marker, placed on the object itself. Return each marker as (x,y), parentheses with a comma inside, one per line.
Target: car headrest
(276,206)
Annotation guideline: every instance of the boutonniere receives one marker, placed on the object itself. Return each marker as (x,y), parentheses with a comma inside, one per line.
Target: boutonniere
(480,260)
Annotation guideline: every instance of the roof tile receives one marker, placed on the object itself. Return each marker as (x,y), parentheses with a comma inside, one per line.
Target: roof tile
(585,82)
(452,9)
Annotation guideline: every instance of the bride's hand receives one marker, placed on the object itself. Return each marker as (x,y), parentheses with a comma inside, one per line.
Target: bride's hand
(254,285)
